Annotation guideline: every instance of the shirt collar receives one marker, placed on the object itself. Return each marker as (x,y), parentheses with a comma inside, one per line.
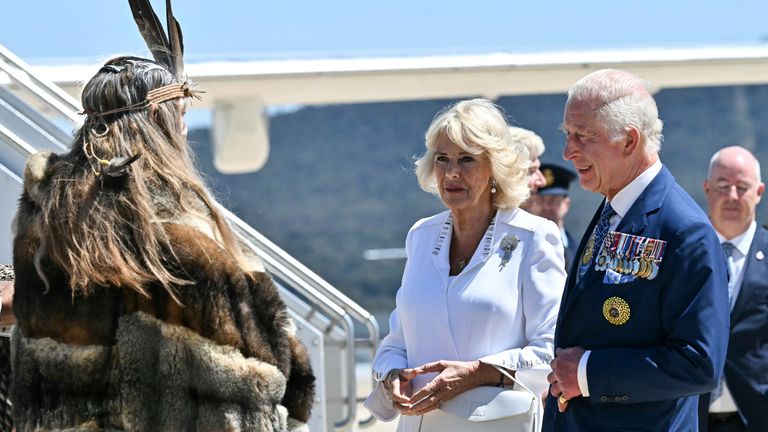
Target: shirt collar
(447,230)
(743,241)
(623,200)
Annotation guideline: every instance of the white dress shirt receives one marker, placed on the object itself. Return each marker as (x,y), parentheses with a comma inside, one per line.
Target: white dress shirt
(741,243)
(621,204)
(501,314)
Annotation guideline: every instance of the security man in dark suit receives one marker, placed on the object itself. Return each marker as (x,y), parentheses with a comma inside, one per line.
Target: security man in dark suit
(552,202)
(643,323)
(733,188)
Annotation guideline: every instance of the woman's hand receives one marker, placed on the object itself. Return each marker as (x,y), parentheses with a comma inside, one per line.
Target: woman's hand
(6,310)
(398,385)
(453,377)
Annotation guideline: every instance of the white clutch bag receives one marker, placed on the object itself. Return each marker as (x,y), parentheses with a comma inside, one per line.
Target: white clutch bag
(488,409)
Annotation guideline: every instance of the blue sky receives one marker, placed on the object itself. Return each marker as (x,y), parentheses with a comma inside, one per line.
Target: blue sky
(55,31)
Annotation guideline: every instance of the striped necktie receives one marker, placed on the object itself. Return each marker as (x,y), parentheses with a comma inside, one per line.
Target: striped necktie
(598,235)
(728,249)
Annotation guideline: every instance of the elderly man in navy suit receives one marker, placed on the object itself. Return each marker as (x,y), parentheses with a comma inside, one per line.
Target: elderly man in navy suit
(733,190)
(643,323)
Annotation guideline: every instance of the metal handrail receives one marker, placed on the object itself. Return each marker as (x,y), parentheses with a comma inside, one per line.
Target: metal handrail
(21,146)
(42,125)
(48,92)
(315,280)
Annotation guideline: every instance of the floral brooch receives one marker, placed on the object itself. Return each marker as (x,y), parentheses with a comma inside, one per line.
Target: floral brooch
(508,244)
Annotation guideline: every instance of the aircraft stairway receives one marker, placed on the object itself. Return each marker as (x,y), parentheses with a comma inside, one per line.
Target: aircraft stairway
(35,116)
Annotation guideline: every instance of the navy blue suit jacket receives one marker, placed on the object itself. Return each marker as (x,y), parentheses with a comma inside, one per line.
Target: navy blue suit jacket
(646,375)
(746,364)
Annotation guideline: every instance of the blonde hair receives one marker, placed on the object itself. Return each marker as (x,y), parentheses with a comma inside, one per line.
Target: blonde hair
(479,128)
(529,139)
(106,231)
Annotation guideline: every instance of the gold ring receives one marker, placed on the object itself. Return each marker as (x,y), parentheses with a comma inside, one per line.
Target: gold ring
(562,400)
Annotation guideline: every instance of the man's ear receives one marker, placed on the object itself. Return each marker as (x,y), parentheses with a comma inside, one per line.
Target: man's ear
(760,190)
(632,140)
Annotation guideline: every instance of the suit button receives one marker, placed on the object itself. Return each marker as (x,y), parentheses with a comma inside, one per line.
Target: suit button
(625,398)
(617,398)
(603,398)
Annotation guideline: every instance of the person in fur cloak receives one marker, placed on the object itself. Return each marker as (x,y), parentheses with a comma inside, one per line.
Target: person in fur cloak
(137,309)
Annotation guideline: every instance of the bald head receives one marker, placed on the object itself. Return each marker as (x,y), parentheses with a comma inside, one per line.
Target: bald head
(736,156)
(733,190)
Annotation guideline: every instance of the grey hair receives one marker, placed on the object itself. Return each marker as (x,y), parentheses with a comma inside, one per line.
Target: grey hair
(529,139)
(479,128)
(623,100)
(715,157)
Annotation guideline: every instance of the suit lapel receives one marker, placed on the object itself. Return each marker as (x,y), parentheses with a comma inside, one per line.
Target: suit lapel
(485,247)
(442,245)
(634,222)
(573,273)
(441,248)
(755,272)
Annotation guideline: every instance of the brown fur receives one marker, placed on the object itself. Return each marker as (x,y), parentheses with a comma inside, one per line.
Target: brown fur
(218,357)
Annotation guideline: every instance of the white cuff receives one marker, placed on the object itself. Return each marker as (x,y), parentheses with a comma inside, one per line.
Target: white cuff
(379,403)
(581,374)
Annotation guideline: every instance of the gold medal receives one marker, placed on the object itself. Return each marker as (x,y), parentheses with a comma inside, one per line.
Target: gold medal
(588,251)
(630,266)
(647,271)
(616,311)
(643,268)
(620,267)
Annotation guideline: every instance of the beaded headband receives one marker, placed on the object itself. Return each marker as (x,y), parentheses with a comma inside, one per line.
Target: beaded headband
(156,97)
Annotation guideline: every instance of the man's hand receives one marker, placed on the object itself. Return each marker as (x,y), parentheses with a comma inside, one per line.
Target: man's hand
(564,376)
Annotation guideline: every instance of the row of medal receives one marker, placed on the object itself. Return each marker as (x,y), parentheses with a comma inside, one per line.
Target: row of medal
(631,255)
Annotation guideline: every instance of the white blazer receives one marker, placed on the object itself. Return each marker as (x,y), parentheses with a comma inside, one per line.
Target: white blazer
(499,314)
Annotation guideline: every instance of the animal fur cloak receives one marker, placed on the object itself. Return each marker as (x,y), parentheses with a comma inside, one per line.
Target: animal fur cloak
(222,357)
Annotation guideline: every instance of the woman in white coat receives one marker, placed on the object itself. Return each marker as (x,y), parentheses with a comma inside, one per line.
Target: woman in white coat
(483,280)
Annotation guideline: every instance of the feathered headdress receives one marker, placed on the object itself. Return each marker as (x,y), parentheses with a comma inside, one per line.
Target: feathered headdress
(168,51)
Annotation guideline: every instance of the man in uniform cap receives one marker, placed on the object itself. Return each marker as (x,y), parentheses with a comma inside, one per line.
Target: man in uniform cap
(552,202)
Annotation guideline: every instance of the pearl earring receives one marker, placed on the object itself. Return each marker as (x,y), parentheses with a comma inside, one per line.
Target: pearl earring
(493,186)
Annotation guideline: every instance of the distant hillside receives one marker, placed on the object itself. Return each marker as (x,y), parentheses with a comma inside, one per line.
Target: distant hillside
(340,180)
